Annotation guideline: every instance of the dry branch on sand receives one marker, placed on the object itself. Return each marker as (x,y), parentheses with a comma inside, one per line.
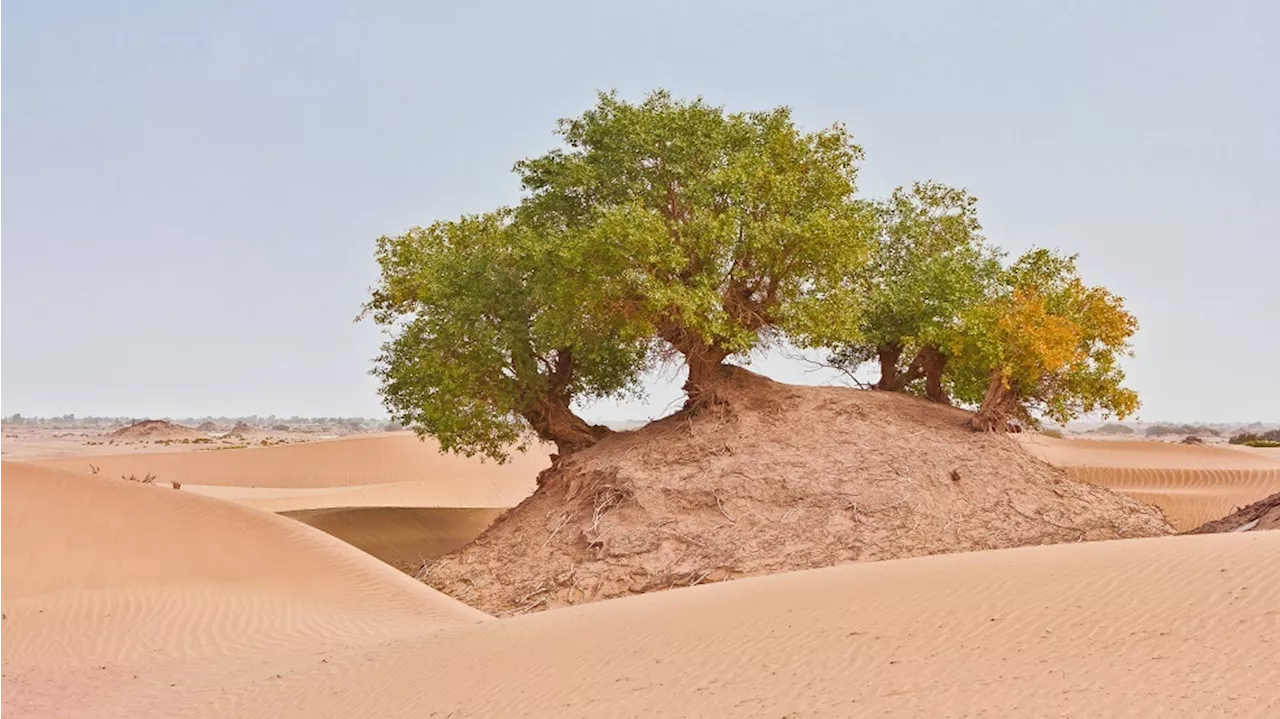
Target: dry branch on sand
(774,478)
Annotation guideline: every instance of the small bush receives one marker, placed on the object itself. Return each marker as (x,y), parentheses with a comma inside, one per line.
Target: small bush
(1052,432)
(1247,437)
(1113,429)
(1164,430)
(1269,443)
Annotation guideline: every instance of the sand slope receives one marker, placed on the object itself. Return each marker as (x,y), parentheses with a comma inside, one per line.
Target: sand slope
(106,579)
(1191,484)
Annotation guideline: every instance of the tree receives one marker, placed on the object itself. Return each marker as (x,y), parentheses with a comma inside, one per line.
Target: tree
(716,230)
(489,340)
(1044,344)
(928,266)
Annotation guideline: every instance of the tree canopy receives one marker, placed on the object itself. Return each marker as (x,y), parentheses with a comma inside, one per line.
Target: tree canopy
(675,226)
(489,340)
(718,230)
(1044,344)
(928,266)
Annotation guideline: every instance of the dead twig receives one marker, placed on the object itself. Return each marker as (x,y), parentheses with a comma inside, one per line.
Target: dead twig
(722,509)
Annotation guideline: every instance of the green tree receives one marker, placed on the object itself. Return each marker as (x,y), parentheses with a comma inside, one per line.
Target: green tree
(928,266)
(488,338)
(716,230)
(1044,344)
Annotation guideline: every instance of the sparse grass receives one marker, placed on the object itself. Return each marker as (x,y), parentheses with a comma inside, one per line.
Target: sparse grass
(149,478)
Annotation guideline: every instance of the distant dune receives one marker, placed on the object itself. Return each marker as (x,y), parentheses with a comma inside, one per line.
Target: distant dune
(392,495)
(362,459)
(123,600)
(1191,484)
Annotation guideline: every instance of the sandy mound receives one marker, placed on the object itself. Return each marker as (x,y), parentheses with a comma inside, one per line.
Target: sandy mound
(1190,484)
(207,426)
(154,429)
(106,579)
(361,460)
(777,478)
(1261,515)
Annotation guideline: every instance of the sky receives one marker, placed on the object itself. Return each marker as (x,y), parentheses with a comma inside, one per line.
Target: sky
(191,191)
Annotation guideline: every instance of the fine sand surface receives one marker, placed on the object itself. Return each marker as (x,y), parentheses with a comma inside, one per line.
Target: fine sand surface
(124,600)
(106,581)
(392,495)
(1191,484)
(362,459)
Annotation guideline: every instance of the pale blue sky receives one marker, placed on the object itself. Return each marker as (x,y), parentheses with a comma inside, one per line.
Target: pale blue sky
(190,195)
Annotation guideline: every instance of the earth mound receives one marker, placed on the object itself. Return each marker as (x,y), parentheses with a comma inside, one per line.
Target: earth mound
(1263,514)
(155,429)
(774,478)
(207,426)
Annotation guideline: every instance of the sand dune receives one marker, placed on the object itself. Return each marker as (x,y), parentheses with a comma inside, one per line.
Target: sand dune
(363,459)
(124,600)
(1191,484)
(391,495)
(105,580)
(1149,455)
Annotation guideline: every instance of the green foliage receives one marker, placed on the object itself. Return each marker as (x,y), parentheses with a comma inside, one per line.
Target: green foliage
(1251,438)
(1266,443)
(1045,345)
(713,228)
(484,326)
(929,265)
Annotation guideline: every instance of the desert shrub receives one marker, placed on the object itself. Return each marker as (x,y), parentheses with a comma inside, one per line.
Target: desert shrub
(1164,430)
(1052,432)
(1262,443)
(1247,437)
(279,428)
(1113,429)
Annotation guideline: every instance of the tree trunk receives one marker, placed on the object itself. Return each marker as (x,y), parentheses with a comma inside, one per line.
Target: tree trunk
(889,355)
(554,421)
(999,405)
(934,364)
(706,365)
(704,360)
(552,416)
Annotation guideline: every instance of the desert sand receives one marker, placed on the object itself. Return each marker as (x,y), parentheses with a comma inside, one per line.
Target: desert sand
(1191,484)
(392,495)
(129,600)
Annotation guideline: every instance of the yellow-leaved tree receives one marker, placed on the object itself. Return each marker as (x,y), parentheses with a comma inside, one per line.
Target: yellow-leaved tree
(1044,344)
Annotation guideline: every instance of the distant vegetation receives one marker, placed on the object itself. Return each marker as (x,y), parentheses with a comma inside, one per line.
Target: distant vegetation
(1269,438)
(1113,429)
(672,228)
(1166,430)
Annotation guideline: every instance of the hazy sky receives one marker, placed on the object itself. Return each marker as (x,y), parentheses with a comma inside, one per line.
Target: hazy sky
(190,195)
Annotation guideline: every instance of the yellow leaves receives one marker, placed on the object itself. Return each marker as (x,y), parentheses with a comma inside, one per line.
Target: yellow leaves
(1037,341)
